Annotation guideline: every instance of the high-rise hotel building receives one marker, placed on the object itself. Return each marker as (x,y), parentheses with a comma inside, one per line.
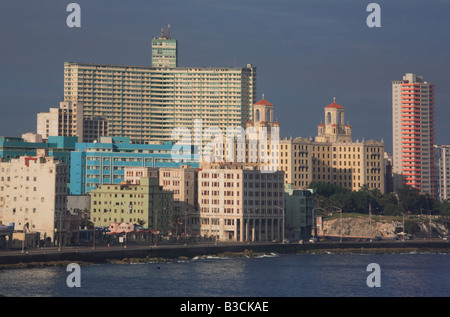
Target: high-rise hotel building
(333,157)
(146,103)
(413,134)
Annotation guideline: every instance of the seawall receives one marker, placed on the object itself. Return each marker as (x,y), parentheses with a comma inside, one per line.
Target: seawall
(101,255)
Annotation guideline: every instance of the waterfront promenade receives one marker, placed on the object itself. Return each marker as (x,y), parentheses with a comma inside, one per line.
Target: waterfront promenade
(104,253)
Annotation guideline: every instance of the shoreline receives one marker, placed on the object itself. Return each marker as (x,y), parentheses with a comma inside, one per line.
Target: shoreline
(162,254)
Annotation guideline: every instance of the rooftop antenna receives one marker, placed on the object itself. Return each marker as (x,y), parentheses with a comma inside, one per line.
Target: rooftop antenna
(165,32)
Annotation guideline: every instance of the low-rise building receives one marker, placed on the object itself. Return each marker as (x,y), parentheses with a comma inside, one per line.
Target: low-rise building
(145,204)
(68,120)
(240,203)
(94,164)
(33,195)
(299,206)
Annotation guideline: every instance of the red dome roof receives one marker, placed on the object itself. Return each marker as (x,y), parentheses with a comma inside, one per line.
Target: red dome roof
(277,123)
(264,103)
(334,105)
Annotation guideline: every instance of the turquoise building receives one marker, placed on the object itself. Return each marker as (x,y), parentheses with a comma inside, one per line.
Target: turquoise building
(94,164)
(299,206)
(58,147)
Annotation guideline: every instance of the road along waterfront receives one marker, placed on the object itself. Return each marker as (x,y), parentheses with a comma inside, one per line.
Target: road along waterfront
(103,254)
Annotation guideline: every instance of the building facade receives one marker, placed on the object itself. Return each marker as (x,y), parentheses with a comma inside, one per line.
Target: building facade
(240,203)
(333,157)
(33,194)
(413,134)
(164,50)
(94,164)
(299,206)
(443,170)
(57,147)
(148,103)
(183,182)
(145,204)
(68,120)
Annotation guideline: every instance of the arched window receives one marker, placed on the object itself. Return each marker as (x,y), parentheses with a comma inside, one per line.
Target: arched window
(268,119)
(329,117)
(257,115)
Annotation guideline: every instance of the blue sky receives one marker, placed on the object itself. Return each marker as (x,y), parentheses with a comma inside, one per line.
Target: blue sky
(306,53)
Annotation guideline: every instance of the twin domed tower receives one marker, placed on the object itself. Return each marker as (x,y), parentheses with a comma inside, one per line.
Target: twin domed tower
(334,129)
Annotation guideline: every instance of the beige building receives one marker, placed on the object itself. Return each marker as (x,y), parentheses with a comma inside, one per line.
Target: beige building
(68,120)
(257,145)
(333,157)
(148,103)
(33,194)
(240,203)
(132,175)
(182,181)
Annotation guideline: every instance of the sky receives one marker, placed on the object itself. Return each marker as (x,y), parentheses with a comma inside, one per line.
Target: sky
(306,53)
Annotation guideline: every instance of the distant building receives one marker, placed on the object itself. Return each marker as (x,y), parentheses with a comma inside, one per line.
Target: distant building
(68,120)
(30,143)
(414,134)
(442,153)
(146,103)
(333,157)
(240,203)
(94,164)
(164,50)
(183,182)
(388,173)
(33,195)
(299,206)
(146,204)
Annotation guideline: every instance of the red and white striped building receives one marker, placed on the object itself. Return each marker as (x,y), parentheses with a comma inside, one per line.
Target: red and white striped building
(413,134)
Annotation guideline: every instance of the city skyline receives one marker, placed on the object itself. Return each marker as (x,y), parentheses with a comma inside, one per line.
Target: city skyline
(305,54)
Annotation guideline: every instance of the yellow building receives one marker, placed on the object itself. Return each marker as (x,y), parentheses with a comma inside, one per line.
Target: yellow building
(333,157)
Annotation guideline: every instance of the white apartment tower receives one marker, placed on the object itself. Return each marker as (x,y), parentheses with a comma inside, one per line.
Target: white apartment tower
(443,170)
(413,134)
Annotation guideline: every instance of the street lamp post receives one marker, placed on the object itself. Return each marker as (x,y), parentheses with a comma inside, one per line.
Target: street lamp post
(340,209)
(24,233)
(59,242)
(93,240)
(185,225)
(314,221)
(282,228)
(403,227)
